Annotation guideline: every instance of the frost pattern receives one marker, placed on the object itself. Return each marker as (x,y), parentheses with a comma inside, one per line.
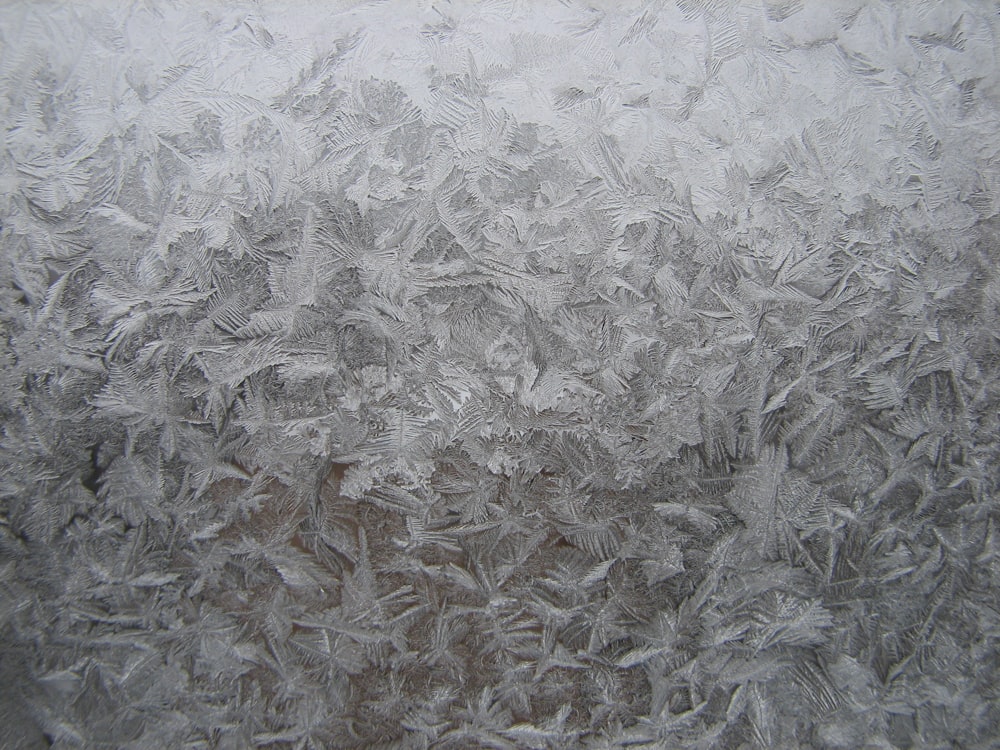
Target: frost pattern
(506,374)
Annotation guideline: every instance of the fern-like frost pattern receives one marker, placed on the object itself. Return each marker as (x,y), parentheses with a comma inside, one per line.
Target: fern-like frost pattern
(505,375)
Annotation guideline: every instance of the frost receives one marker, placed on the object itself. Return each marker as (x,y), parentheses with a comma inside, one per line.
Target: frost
(454,374)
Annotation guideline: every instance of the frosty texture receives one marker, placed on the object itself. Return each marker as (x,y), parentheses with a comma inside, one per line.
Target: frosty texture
(509,375)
